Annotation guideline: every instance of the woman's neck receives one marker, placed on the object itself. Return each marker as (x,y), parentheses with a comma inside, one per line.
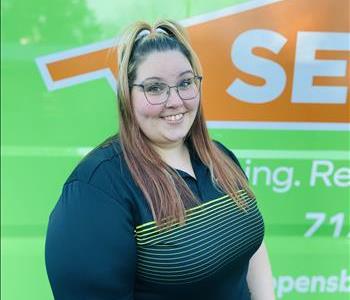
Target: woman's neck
(177,157)
(172,152)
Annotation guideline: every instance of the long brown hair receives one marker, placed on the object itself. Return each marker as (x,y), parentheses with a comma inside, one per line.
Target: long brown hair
(165,191)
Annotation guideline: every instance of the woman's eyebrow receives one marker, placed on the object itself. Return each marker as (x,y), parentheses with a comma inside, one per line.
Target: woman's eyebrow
(154,77)
(182,73)
(160,78)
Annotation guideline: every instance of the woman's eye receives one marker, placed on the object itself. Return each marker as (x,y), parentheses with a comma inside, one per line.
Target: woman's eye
(155,88)
(185,83)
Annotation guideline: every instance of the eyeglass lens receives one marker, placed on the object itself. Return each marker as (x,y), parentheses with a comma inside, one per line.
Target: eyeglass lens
(158,92)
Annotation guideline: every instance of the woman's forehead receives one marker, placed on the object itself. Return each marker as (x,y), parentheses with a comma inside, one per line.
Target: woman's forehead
(167,65)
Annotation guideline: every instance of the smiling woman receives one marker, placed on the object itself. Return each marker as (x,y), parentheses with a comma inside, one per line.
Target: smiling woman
(166,117)
(159,210)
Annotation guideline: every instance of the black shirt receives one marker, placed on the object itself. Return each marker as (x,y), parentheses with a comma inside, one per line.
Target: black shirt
(102,242)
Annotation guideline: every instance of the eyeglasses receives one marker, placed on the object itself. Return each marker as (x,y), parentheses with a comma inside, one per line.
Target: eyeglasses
(158,93)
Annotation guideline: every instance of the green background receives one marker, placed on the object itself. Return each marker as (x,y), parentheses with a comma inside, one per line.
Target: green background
(41,132)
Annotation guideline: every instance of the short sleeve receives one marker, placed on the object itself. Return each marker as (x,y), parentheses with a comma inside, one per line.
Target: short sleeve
(90,251)
(230,154)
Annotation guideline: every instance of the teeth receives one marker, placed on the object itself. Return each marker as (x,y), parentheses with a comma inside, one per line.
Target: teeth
(174,117)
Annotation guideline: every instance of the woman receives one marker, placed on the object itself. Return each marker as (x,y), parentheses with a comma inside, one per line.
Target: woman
(158,211)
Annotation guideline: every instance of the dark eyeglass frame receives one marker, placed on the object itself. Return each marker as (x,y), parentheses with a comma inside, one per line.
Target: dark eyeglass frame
(170,87)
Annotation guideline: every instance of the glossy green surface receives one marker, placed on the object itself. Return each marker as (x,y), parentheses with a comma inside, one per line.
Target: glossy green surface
(41,132)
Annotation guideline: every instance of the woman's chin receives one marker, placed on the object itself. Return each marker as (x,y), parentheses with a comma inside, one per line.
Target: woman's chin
(174,138)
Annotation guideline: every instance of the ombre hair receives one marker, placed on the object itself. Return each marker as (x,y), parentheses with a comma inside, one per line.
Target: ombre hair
(166,192)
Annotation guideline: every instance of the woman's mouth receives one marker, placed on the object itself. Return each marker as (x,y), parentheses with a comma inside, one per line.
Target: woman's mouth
(174,118)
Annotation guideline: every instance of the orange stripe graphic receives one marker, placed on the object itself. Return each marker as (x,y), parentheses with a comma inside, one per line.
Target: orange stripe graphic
(286,61)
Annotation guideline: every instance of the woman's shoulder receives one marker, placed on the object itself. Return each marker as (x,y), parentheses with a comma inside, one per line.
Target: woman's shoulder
(100,177)
(226,150)
(230,154)
(100,164)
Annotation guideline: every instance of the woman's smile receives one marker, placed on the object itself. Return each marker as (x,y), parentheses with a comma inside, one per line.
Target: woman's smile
(174,119)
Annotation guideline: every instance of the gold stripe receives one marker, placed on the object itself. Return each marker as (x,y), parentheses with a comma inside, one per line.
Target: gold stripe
(200,276)
(142,252)
(190,211)
(195,215)
(225,208)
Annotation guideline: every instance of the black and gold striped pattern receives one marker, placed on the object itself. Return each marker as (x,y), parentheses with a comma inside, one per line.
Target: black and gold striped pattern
(216,234)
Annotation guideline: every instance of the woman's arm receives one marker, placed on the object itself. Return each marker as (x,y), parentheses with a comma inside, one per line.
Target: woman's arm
(90,248)
(259,276)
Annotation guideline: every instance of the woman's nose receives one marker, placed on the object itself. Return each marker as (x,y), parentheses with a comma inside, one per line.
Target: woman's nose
(174,99)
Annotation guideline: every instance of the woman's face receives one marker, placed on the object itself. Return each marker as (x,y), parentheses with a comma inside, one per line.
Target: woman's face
(168,123)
